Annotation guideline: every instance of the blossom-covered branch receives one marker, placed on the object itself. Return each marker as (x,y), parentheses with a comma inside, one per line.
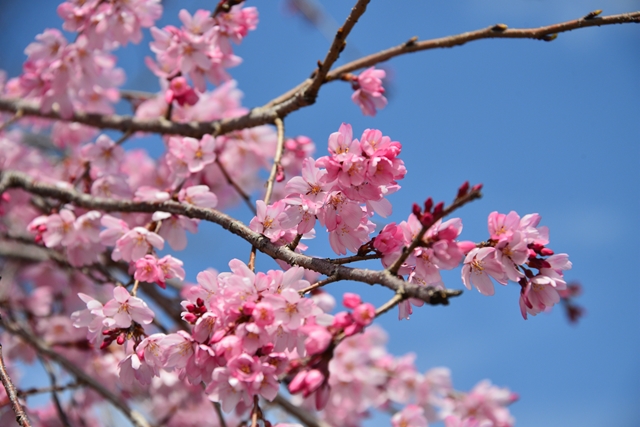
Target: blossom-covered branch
(13,179)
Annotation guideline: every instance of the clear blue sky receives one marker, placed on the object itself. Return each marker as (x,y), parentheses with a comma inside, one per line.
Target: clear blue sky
(551,128)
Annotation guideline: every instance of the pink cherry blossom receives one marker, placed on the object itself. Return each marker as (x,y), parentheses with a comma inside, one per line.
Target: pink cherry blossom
(479,266)
(124,309)
(368,93)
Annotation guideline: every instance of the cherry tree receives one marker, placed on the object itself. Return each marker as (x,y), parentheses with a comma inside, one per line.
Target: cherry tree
(91,232)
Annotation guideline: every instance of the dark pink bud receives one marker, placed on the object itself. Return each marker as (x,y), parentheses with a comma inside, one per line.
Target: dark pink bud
(477,187)
(428,204)
(202,309)
(426,220)
(190,307)
(200,302)
(546,252)
(267,349)
(463,190)
(437,210)
(120,339)
(190,317)
(416,210)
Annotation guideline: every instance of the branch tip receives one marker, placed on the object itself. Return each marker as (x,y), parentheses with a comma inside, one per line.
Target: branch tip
(593,14)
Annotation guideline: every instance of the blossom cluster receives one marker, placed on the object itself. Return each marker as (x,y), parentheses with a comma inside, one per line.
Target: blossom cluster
(515,248)
(342,191)
(201,49)
(81,75)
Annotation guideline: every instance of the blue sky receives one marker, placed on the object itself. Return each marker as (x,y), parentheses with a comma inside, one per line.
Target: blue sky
(551,128)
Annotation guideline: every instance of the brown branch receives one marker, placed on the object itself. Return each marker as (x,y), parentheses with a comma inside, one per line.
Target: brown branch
(15,329)
(12,394)
(54,394)
(13,179)
(236,187)
(36,390)
(299,413)
(318,284)
(339,42)
(353,258)
(302,96)
(499,31)
(395,300)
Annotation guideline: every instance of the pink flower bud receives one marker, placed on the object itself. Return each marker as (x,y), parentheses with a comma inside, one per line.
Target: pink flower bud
(437,210)
(364,314)
(297,384)
(313,381)
(342,319)
(428,204)
(351,300)
(463,190)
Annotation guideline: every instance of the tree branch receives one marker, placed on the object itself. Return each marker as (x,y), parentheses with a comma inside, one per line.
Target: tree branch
(303,94)
(338,44)
(14,328)
(499,31)
(21,416)
(299,413)
(14,179)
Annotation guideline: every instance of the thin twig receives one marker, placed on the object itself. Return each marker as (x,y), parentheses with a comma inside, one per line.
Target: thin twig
(299,413)
(395,300)
(218,409)
(15,329)
(353,258)
(50,389)
(54,394)
(11,121)
(276,160)
(296,241)
(12,394)
(318,284)
(14,179)
(236,187)
(255,412)
(338,44)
